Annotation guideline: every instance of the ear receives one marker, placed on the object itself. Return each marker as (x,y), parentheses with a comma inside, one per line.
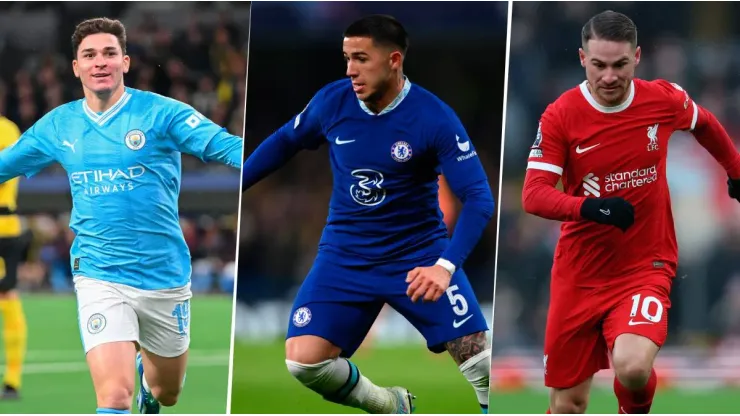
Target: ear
(582,57)
(75,68)
(638,54)
(126,63)
(396,59)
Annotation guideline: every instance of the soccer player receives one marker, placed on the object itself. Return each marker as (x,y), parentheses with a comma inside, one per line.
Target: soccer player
(607,139)
(121,149)
(11,246)
(385,241)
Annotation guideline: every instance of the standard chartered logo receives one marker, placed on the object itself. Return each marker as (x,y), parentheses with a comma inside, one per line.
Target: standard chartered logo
(106,181)
(620,180)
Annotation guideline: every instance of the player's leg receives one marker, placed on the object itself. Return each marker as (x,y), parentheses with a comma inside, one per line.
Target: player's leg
(574,347)
(321,338)
(456,324)
(636,328)
(109,329)
(164,316)
(15,330)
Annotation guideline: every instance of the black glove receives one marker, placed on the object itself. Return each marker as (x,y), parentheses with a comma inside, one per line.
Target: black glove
(611,211)
(733,188)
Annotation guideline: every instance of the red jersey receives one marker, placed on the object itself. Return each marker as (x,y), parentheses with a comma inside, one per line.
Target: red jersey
(620,151)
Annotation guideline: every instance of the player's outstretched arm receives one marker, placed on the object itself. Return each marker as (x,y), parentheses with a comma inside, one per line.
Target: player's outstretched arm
(29,155)
(712,136)
(303,131)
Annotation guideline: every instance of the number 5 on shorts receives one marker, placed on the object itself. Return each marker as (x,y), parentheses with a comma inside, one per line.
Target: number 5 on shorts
(645,309)
(182,314)
(458,302)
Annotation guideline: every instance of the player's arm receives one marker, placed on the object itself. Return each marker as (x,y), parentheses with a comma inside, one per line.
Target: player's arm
(196,135)
(303,131)
(31,153)
(467,180)
(707,130)
(540,196)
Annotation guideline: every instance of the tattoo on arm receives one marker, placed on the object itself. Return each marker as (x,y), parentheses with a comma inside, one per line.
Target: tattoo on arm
(464,348)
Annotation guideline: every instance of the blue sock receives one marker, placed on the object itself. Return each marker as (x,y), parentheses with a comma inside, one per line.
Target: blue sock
(484,409)
(108,411)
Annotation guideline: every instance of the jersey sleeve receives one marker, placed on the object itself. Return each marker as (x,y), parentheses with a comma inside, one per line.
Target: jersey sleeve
(549,152)
(31,153)
(467,180)
(196,135)
(685,109)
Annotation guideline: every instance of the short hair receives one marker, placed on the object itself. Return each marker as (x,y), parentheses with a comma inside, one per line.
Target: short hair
(382,29)
(612,26)
(95,26)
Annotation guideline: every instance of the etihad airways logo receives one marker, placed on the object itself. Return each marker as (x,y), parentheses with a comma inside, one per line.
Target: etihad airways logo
(106,181)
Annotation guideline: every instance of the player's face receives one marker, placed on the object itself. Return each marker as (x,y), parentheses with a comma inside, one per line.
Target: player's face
(100,63)
(610,68)
(369,66)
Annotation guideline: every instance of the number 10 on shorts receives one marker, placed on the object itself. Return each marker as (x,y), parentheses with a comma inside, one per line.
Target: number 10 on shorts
(182,314)
(647,301)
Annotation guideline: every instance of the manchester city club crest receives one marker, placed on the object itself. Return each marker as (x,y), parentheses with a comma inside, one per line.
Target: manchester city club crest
(301,317)
(401,151)
(135,139)
(96,323)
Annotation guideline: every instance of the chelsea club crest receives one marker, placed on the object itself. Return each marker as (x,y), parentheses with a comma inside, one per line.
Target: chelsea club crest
(135,139)
(401,151)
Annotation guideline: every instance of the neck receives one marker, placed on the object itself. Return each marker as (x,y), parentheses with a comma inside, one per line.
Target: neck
(601,102)
(390,94)
(102,101)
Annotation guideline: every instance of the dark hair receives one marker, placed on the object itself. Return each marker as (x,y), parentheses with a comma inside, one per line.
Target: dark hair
(612,26)
(382,29)
(95,26)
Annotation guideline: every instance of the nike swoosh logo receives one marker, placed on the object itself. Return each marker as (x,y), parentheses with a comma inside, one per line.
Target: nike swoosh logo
(337,141)
(585,149)
(456,324)
(633,323)
(605,211)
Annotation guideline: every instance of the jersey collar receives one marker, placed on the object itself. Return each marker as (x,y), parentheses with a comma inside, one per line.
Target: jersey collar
(106,115)
(396,101)
(604,109)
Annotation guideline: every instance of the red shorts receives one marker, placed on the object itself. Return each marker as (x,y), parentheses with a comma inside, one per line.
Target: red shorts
(582,324)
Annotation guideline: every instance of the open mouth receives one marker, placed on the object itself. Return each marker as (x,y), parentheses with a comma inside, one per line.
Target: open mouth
(100,76)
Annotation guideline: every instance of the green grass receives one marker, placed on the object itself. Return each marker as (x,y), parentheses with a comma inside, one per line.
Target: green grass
(603,402)
(56,379)
(262,384)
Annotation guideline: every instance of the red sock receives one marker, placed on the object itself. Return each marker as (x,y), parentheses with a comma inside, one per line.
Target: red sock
(638,401)
(548,411)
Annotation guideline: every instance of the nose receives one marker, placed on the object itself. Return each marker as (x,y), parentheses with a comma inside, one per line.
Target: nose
(352,71)
(99,60)
(610,76)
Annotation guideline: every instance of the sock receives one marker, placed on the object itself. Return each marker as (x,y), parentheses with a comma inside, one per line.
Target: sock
(637,401)
(15,335)
(477,370)
(108,411)
(548,412)
(338,380)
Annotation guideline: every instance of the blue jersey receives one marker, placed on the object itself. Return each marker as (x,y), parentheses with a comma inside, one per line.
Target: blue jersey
(384,205)
(124,170)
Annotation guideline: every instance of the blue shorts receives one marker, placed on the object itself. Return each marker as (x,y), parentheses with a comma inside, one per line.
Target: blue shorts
(340,304)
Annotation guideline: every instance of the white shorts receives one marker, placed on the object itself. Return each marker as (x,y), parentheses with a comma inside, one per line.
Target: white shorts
(159,320)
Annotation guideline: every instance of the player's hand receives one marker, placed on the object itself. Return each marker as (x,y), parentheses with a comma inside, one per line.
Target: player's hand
(427,283)
(611,211)
(733,188)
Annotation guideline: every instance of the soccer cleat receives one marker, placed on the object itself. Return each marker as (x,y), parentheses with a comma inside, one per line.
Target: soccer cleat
(146,403)
(405,400)
(9,393)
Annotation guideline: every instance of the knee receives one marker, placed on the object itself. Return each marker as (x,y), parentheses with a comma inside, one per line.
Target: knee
(632,371)
(166,396)
(309,351)
(569,404)
(116,395)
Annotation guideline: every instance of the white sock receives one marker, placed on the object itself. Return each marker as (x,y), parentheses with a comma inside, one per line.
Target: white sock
(145,384)
(477,370)
(339,381)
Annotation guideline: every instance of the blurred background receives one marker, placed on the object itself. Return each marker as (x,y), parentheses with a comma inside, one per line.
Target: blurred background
(193,52)
(695,45)
(457,52)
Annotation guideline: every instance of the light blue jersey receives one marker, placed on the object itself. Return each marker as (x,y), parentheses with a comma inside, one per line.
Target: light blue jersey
(124,169)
